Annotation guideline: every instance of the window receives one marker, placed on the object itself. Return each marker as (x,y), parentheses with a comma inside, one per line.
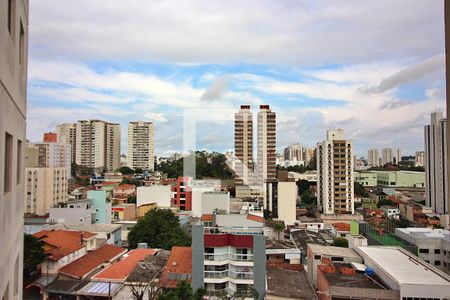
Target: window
(317,256)
(8,163)
(21,44)
(11,9)
(437,262)
(424,251)
(437,251)
(19,162)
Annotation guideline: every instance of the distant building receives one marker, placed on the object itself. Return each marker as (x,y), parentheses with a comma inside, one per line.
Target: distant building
(437,183)
(72,212)
(420,158)
(373,158)
(335,174)
(49,137)
(45,188)
(67,134)
(161,195)
(243,144)
(266,167)
(101,206)
(53,155)
(98,144)
(294,152)
(281,200)
(141,146)
(387,156)
(182,194)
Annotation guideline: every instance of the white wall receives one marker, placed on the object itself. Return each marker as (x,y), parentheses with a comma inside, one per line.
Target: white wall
(159,194)
(197,200)
(215,200)
(287,197)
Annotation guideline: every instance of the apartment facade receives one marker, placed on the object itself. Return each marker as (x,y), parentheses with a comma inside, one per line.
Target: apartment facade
(54,155)
(141,146)
(386,156)
(281,200)
(266,159)
(230,260)
(182,194)
(335,174)
(45,188)
(98,144)
(373,158)
(49,137)
(436,171)
(67,134)
(13,103)
(293,152)
(243,144)
(420,158)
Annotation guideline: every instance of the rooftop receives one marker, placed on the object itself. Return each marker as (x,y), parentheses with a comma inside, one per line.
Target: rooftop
(88,227)
(334,251)
(422,233)
(404,267)
(81,267)
(289,284)
(279,244)
(62,242)
(121,269)
(99,289)
(341,226)
(178,267)
(303,237)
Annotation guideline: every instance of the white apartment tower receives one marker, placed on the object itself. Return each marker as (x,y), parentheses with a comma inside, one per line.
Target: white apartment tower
(373,158)
(243,144)
(386,156)
(335,174)
(141,146)
(436,172)
(13,103)
(67,134)
(98,144)
(294,152)
(54,155)
(45,187)
(266,163)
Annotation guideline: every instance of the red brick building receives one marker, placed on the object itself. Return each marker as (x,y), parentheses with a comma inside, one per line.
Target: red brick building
(50,137)
(182,194)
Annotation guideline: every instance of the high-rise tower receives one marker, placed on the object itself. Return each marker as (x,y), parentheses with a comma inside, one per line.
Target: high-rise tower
(243,144)
(141,146)
(266,164)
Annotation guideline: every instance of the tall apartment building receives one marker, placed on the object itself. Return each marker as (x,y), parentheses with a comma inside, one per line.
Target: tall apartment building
(44,188)
(335,174)
(373,158)
(141,146)
(67,134)
(308,154)
(420,158)
(182,193)
(53,155)
(386,156)
(98,144)
(13,103)
(266,160)
(294,152)
(447,78)
(397,156)
(243,145)
(436,171)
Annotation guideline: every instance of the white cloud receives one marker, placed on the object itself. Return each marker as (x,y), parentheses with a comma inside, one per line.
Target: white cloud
(158,117)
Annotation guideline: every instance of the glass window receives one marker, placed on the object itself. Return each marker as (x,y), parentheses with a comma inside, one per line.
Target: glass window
(8,163)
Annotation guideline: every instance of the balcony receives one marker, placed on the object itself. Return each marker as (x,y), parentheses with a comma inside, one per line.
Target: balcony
(230,256)
(216,274)
(241,275)
(234,230)
(216,257)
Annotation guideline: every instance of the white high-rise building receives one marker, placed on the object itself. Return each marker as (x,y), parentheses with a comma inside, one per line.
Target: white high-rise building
(98,144)
(294,152)
(141,146)
(243,145)
(266,163)
(67,134)
(436,172)
(386,156)
(45,187)
(420,158)
(335,174)
(397,156)
(53,155)
(373,158)
(13,104)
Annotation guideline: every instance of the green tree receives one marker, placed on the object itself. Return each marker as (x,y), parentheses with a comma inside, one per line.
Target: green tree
(131,199)
(360,190)
(312,165)
(383,202)
(267,214)
(307,197)
(138,171)
(33,255)
(278,227)
(79,170)
(340,242)
(125,170)
(183,291)
(303,185)
(159,228)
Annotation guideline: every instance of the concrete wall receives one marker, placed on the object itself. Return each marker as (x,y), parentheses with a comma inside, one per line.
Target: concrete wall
(198,252)
(259,265)
(101,207)
(287,198)
(71,216)
(159,194)
(215,200)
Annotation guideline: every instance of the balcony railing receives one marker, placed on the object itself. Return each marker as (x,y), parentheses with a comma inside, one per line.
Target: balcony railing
(216,257)
(227,273)
(216,274)
(241,275)
(234,230)
(230,256)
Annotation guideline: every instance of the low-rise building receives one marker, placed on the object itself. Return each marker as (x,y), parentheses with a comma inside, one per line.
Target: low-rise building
(124,212)
(215,202)
(72,212)
(401,271)
(105,233)
(282,252)
(101,206)
(391,212)
(159,194)
(286,284)
(178,267)
(340,229)
(281,200)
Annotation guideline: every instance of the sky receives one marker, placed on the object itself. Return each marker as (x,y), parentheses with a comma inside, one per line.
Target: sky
(372,68)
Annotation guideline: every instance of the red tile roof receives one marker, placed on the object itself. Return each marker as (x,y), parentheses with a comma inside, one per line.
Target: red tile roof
(207,218)
(85,265)
(107,183)
(341,226)
(62,242)
(121,269)
(124,186)
(180,262)
(255,218)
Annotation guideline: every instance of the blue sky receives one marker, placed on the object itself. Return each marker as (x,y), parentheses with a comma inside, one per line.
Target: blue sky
(373,68)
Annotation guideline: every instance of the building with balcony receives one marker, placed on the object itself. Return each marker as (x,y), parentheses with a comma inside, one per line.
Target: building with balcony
(243,144)
(267,143)
(229,259)
(67,134)
(182,193)
(335,174)
(141,146)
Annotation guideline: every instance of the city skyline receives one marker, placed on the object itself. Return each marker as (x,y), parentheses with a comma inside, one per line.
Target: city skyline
(379,83)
